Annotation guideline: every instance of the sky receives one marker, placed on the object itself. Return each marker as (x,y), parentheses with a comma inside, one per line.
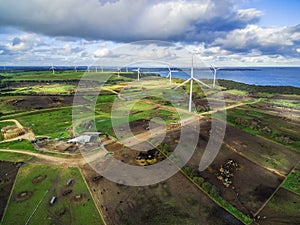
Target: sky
(80,32)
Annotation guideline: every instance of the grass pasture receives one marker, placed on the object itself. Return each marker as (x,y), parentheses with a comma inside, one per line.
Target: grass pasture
(51,89)
(55,123)
(66,210)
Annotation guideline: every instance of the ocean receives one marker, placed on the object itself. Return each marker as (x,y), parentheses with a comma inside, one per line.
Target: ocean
(273,76)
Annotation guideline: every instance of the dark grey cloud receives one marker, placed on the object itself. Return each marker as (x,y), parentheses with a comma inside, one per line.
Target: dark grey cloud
(127,20)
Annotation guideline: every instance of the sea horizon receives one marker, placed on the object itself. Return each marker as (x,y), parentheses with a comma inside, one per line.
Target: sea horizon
(254,75)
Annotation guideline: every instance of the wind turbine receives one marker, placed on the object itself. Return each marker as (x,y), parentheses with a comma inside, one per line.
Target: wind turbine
(96,68)
(214,69)
(170,74)
(191,79)
(138,70)
(88,69)
(75,68)
(118,72)
(53,69)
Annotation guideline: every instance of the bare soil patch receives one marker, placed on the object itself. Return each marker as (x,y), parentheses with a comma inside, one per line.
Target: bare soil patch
(39,102)
(23,196)
(39,179)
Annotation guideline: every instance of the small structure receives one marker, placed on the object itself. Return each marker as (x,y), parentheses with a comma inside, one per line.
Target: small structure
(52,200)
(70,181)
(83,139)
(13,131)
(87,137)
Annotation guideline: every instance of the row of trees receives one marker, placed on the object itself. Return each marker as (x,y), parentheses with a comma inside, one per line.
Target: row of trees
(228,84)
(209,188)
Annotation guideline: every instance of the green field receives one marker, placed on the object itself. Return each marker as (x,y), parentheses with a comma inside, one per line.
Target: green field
(42,76)
(61,76)
(54,124)
(14,157)
(56,88)
(66,209)
(18,145)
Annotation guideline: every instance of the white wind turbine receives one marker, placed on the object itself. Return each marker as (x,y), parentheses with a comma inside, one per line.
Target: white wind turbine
(191,79)
(75,68)
(119,72)
(138,70)
(170,74)
(214,69)
(53,69)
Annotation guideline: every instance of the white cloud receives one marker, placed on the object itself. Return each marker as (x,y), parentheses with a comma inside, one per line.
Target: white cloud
(102,52)
(257,37)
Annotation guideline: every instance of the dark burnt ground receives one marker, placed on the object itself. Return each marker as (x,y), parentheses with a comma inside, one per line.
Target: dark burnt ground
(38,102)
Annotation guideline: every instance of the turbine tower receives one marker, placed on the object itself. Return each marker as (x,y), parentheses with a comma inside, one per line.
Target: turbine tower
(53,69)
(191,79)
(75,68)
(118,72)
(214,70)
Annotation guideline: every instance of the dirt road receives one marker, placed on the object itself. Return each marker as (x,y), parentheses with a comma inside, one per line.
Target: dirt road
(137,139)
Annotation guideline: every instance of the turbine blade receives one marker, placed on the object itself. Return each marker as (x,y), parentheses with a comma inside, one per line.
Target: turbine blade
(200,82)
(183,83)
